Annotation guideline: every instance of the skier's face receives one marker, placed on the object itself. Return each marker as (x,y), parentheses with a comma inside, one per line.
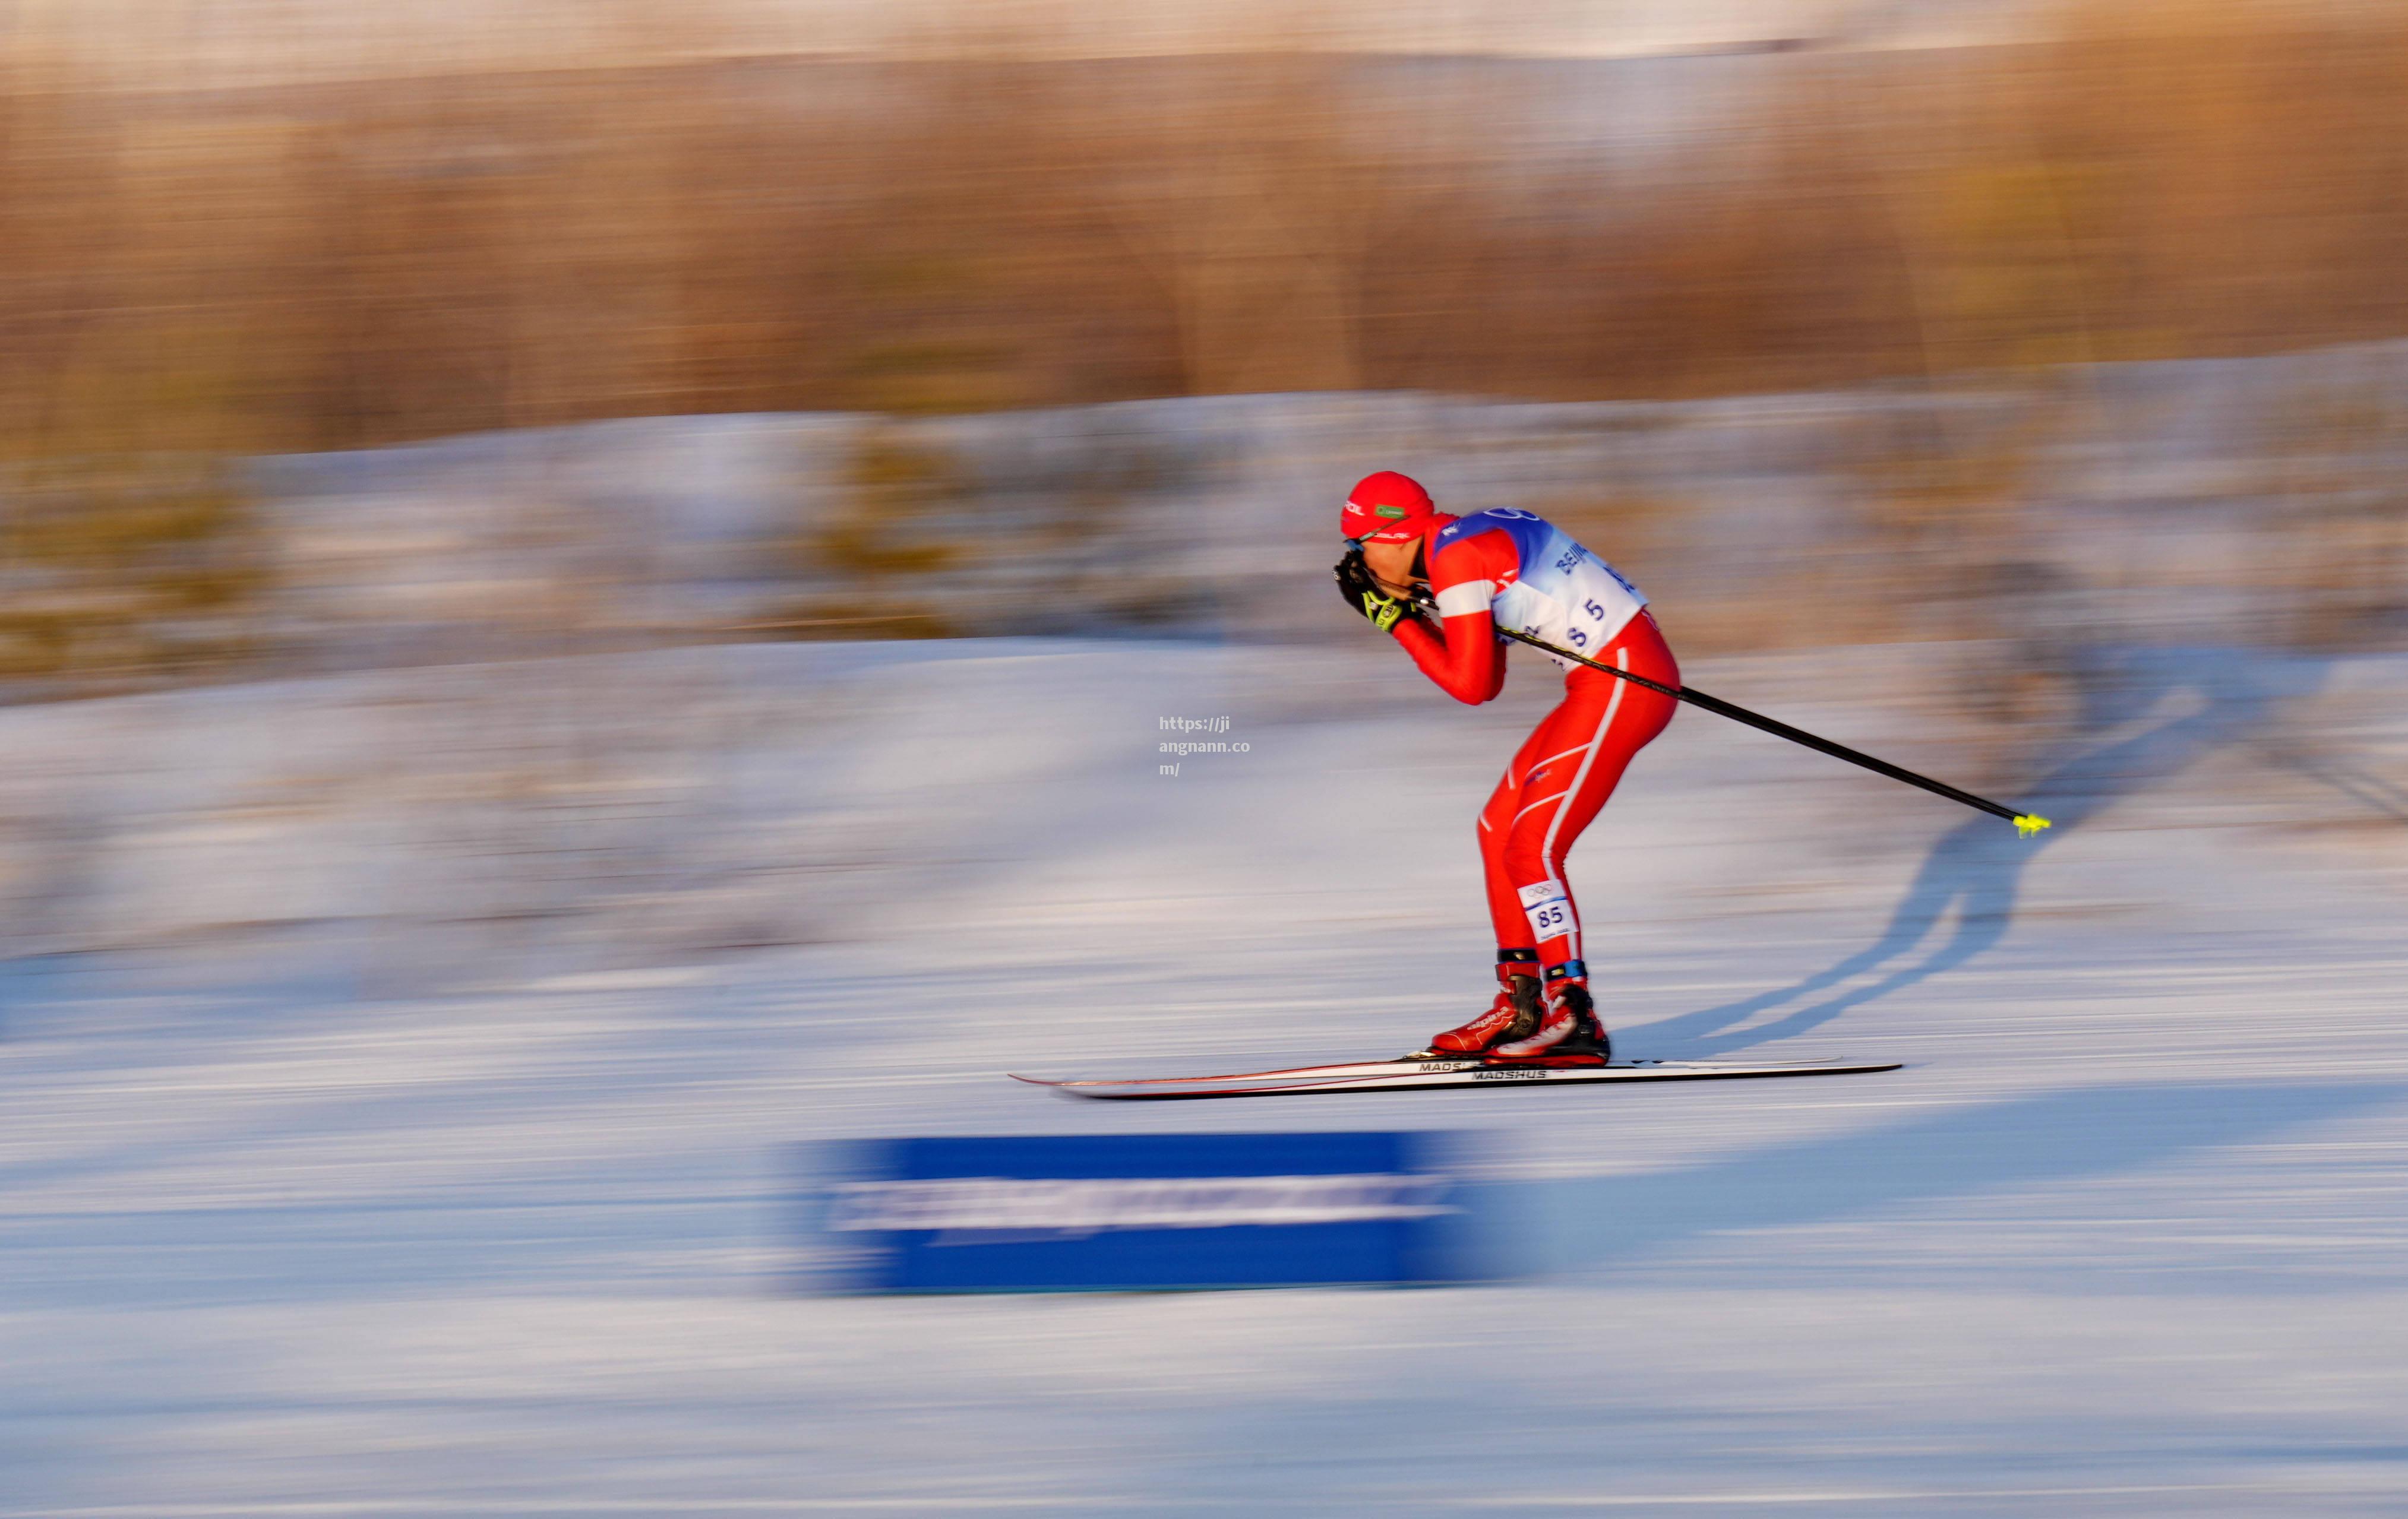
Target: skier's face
(1397,566)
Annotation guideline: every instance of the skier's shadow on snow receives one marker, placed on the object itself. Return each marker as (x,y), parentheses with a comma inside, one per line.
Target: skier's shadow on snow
(1977,867)
(2048,1138)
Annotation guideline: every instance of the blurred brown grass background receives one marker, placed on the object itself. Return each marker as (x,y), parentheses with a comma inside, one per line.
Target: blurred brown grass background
(344,265)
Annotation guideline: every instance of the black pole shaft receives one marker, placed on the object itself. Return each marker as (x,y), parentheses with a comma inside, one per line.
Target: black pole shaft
(1780,729)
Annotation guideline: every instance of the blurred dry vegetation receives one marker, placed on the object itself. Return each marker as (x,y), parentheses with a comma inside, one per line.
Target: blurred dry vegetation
(191,277)
(887,531)
(347,265)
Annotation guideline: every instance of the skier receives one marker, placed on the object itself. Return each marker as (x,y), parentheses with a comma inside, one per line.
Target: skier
(1508,568)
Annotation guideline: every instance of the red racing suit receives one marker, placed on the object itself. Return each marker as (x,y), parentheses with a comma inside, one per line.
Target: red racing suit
(1509,569)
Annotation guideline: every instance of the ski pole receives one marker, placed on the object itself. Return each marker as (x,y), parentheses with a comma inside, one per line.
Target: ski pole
(2025,824)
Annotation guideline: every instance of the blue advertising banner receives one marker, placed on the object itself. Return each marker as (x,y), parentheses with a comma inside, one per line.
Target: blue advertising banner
(1134,1213)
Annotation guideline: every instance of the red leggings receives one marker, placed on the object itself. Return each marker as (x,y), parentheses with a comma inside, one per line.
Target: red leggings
(1557,781)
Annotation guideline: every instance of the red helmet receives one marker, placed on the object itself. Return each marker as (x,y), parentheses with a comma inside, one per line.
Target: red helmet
(1387,508)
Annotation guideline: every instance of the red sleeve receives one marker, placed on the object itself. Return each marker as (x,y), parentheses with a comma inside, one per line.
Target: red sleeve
(1465,659)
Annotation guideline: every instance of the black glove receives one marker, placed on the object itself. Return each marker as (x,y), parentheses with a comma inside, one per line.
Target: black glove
(1363,594)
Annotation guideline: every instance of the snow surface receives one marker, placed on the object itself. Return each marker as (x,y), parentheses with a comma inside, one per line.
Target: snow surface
(330,1186)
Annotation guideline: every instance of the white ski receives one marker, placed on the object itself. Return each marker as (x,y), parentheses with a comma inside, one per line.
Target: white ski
(1411,1075)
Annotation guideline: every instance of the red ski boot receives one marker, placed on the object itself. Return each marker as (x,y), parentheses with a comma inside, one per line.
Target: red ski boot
(1514,1013)
(1568,1024)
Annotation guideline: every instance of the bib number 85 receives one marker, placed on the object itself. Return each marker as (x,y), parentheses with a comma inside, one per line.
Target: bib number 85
(1548,908)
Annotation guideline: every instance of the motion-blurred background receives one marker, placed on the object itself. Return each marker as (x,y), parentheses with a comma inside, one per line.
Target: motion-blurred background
(327,334)
(587,583)
(246,230)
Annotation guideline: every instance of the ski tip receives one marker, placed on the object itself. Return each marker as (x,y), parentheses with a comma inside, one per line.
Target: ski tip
(2028,823)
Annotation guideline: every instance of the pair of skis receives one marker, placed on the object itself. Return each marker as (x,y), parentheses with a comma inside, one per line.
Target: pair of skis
(1421,1075)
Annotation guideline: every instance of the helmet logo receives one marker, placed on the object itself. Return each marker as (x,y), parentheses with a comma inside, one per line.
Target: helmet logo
(1394,513)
